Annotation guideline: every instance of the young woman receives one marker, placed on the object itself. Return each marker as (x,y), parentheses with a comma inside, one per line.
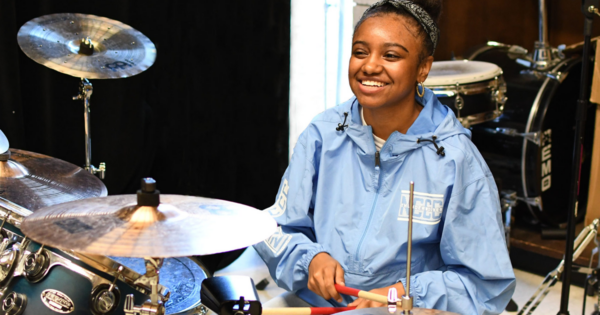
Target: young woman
(342,204)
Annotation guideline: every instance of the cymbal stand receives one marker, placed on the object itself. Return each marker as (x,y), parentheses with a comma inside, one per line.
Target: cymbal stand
(544,57)
(407,300)
(85,92)
(154,306)
(588,234)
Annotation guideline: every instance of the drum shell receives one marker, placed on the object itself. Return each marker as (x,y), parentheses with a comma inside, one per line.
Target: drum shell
(78,288)
(545,105)
(481,99)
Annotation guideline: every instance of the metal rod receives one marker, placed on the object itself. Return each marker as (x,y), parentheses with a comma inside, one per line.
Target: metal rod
(581,110)
(543,22)
(410,221)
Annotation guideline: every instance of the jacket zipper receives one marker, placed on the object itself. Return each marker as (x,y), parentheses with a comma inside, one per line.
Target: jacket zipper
(362,238)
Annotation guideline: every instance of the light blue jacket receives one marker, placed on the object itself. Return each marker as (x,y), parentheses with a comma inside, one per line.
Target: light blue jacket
(335,198)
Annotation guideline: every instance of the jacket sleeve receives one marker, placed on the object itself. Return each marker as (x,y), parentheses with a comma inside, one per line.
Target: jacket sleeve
(290,250)
(478,276)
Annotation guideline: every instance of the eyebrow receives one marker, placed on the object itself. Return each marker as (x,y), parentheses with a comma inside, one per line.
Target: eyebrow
(385,45)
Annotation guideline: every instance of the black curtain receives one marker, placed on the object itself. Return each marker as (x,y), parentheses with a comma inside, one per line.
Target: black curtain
(209,118)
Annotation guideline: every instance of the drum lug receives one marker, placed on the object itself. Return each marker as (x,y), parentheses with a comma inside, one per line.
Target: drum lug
(534,137)
(558,76)
(14,304)
(532,201)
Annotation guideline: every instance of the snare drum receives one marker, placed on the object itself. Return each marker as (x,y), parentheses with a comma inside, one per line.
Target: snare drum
(38,281)
(474,90)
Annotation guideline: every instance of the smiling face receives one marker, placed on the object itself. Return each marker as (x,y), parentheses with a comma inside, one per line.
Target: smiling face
(385,66)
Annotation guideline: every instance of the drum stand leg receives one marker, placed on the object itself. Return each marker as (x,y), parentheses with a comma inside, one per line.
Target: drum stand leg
(85,92)
(588,234)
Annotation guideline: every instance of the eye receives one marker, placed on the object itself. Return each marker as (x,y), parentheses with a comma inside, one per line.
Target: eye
(391,56)
(359,53)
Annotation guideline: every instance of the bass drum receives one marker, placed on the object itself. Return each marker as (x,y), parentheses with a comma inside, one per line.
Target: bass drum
(530,146)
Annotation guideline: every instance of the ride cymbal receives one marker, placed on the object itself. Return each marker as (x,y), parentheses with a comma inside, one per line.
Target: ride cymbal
(179,226)
(55,41)
(34,180)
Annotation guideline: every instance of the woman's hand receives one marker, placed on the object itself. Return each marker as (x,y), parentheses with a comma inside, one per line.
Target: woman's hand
(364,303)
(323,273)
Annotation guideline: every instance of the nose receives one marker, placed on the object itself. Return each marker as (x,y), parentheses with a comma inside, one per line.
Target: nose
(371,65)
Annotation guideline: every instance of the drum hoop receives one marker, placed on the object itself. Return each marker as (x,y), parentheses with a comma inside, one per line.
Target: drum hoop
(466,78)
(530,120)
(469,89)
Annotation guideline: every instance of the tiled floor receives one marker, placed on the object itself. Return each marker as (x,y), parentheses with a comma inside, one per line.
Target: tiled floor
(250,264)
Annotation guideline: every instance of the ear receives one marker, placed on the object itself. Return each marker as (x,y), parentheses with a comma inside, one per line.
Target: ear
(424,69)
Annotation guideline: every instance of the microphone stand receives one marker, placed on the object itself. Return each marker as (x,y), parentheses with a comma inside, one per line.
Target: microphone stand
(589,8)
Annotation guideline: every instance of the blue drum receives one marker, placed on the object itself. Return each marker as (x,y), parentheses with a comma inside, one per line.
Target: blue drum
(41,280)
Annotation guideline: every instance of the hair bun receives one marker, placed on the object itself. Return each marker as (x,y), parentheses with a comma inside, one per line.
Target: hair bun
(433,7)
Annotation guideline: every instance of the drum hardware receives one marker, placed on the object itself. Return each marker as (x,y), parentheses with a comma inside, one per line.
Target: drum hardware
(407,299)
(588,234)
(508,200)
(154,306)
(36,265)
(105,299)
(534,137)
(14,303)
(86,47)
(85,92)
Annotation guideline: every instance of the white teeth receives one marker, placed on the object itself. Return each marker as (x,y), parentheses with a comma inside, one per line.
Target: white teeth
(372,83)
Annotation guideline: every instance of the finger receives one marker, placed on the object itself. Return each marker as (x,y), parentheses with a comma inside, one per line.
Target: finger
(363,304)
(356,302)
(313,286)
(320,281)
(339,275)
(328,281)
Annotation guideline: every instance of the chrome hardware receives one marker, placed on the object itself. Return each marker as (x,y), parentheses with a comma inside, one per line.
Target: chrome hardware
(14,304)
(36,265)
(147,308)
(532,201)
(593,9)
(85,93)
(105,298)
(8,258)
(156,303)
(534,137)
(508,200)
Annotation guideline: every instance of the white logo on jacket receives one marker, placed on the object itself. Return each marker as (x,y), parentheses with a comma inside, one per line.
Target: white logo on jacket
(278,241)
(281,204)
(427,208)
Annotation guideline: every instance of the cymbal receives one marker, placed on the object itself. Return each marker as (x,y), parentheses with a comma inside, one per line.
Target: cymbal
(4,146)
(385,311)
(179,226)
(34,180)
(55,40)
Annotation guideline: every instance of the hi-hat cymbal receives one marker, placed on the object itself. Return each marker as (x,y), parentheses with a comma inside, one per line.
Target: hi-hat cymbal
(54,41)
(179,226)
(385,311)
(34,180)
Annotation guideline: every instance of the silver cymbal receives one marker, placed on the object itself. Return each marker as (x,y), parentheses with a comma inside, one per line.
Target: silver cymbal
(384,311)
(179,226)
(34,180)
(54,41)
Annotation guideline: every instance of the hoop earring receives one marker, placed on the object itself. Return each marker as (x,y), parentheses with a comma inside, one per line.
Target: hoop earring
(422,87)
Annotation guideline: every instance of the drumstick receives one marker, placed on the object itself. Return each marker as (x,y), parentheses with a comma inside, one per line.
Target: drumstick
(305,310)
(364,294)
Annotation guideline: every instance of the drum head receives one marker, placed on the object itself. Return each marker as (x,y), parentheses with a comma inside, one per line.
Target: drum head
(461,72)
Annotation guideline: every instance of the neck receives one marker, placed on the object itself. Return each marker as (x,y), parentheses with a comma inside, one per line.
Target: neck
(387,119)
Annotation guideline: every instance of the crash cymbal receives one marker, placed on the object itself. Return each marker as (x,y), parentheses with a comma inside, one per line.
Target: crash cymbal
(3,143)
(34,180)
(55,41)
(179,226)
(385,311)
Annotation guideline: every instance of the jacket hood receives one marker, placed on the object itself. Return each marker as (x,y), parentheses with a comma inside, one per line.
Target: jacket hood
(435,120)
